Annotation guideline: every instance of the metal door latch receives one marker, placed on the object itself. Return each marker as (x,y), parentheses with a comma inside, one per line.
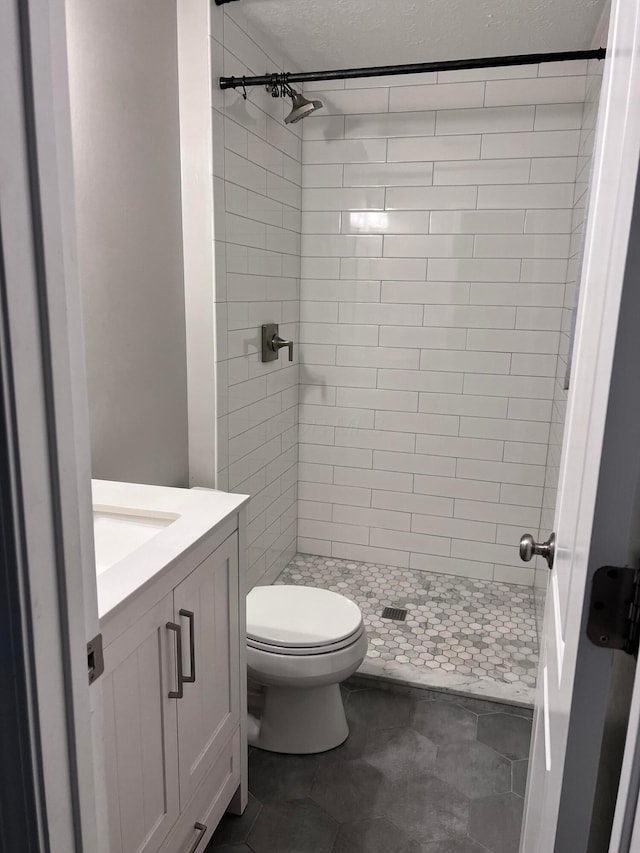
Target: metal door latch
(95,658)
(614,609)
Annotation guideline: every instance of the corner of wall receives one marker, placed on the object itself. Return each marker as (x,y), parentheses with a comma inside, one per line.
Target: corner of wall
(256,191)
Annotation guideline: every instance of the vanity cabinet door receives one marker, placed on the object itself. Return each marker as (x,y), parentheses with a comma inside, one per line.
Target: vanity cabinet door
(206,607)
(140,722)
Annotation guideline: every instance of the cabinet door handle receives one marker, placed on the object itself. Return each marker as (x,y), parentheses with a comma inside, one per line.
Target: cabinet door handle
(201,828)
(189,614)
(171,626)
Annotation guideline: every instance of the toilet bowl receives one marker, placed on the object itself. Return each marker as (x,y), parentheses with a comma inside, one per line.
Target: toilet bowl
(301,643)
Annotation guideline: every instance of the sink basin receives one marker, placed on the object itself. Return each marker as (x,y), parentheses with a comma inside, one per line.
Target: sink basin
(142,532)
(117,534)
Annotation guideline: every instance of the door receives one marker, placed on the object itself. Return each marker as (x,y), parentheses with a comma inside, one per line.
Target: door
(206,607)
(599,476)
(140,732)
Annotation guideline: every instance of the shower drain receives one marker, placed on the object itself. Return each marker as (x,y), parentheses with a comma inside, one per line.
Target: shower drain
(398,614)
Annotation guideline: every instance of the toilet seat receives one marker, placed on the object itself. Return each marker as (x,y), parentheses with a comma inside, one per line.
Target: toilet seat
(323,649)
(300,620)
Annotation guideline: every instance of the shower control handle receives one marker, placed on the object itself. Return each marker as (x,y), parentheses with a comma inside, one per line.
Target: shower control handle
(529,549)
(277,343)
(272,343)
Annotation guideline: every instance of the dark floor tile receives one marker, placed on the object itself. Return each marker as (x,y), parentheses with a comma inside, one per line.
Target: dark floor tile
(496,821)
(454,845)
(486,706)
(275,778)
(360,682)
(353,747)
(444,722)
(378,709)
(299,826)
(473,769)
(425,807)
(374,836)
(519,770)
(230,848)
(234,829)
(507,734)
(399,753)
(399,784)
(363,682)
(347,788)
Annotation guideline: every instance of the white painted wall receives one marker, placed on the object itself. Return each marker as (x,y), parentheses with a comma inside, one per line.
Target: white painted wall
(437,223)
(257,178)
(124,107)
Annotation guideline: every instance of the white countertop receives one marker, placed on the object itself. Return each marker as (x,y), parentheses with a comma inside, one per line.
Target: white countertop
(141,531)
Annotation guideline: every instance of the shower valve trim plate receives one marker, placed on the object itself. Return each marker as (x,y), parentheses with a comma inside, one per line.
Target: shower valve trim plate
(272,343)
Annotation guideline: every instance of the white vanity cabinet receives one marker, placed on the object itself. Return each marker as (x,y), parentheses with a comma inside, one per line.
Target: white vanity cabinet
(206,607)
(140,725)
(174,708)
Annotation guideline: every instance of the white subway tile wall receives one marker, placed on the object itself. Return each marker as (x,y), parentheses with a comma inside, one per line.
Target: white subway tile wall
(440,227)
(257,177)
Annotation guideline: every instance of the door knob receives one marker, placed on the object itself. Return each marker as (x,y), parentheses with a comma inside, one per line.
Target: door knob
(529,548)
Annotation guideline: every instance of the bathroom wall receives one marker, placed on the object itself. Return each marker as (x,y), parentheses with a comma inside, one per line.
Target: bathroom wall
(257,179)
(126,147)
(595,71)
(437,222)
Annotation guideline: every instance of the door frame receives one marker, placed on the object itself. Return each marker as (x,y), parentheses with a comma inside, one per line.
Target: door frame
(20,783)
(46,419)
(625,833)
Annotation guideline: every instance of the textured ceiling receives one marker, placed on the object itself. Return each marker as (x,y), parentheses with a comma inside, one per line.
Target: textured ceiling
(321,34)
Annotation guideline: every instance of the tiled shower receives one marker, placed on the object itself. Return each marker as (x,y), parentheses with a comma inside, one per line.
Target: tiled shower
(419,239)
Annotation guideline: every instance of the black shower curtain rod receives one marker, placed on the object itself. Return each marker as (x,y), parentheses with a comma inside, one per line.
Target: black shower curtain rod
(411,68)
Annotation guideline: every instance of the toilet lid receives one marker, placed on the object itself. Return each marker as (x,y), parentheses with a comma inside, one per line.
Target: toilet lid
(300,616)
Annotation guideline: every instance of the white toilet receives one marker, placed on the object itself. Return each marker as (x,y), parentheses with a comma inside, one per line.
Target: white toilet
(301,643)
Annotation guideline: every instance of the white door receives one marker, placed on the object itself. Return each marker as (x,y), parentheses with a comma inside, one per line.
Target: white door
(599,473)
(205,604)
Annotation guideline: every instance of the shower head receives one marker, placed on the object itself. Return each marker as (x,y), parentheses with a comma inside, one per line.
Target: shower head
(301,107)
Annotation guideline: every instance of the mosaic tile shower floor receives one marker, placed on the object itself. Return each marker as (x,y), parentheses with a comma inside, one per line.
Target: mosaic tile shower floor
(466,635)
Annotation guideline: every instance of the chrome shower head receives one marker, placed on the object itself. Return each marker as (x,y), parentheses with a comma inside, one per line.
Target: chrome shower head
(301,107)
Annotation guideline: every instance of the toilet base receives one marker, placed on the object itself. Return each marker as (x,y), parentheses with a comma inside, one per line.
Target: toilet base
(300,721)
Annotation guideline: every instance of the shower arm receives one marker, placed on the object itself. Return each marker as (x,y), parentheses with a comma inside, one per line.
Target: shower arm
(273,80)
